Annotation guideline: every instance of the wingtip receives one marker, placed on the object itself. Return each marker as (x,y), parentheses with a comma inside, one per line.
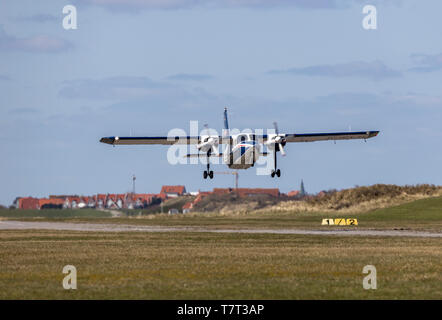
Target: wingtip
(108,140)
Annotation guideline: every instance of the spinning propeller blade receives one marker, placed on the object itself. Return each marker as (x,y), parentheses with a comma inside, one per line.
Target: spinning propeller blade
(279,140)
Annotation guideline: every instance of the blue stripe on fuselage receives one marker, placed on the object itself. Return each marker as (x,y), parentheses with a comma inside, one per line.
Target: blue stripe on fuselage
(243,150)
(243,147)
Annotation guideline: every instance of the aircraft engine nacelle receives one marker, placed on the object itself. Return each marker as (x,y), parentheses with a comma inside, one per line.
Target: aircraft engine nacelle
(208,143)
(276,142)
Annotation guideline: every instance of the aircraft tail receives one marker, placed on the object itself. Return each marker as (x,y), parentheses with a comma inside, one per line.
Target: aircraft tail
(226,124)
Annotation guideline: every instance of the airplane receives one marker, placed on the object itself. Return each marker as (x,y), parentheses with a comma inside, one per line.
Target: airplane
(242,150)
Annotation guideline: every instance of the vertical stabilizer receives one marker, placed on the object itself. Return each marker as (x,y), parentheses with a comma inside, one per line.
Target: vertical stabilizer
(226,124)
(226,140)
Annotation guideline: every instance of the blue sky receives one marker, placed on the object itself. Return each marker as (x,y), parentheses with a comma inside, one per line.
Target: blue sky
(143,67)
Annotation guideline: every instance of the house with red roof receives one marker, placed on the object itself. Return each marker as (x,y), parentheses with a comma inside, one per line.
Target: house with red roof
(27,203)
(293,193)
(173,191)
(50,203)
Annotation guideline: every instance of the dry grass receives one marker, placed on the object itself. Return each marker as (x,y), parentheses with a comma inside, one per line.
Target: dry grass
(216,266)
(228,203)
(360,199)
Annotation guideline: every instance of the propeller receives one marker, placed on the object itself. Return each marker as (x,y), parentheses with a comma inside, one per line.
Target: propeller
(209,142)
(278,140)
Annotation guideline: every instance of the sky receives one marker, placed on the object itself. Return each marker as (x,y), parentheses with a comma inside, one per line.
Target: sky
(144,67)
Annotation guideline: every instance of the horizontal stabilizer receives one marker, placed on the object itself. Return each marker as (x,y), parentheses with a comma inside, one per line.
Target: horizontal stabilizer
(202,155)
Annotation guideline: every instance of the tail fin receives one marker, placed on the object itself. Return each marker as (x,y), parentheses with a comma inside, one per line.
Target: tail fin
(226,123)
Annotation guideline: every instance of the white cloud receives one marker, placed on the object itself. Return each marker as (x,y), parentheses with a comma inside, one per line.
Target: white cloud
(188,4)
(39,18)
(427,62)
(37,43)
(4,77)
(375,70)
(190,77)
(129,88)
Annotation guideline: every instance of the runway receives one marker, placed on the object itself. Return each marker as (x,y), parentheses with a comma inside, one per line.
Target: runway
(92,227)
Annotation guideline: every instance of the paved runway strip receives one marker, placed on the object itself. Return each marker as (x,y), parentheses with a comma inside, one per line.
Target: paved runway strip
(27,225)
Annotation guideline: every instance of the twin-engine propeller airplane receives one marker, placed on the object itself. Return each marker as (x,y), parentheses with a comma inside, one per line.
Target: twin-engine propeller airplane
(243,149)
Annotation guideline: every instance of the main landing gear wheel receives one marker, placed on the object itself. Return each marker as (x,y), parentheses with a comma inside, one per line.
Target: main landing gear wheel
(277,173)
(208,174)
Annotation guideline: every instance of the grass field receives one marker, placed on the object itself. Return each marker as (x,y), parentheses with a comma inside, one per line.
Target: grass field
(53,213)
(186,265)
(216,266)
(425,214)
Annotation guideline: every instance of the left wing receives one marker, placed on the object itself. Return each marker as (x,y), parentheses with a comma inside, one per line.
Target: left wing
(149,140)
(156,140)
(309,137)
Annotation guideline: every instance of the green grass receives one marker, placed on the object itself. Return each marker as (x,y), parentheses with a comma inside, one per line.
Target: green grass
(425,209)
(216,266)
(53,213)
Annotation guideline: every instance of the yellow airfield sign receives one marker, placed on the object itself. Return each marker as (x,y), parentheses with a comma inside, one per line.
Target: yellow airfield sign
(339,222)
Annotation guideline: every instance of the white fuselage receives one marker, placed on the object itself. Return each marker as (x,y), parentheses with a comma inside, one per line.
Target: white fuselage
(243,153)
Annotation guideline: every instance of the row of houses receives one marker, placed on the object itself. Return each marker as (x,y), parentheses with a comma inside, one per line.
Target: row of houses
(100,201)
(137,200)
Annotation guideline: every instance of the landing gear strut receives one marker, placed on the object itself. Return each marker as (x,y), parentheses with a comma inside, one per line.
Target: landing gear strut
(208,172)
(275,171)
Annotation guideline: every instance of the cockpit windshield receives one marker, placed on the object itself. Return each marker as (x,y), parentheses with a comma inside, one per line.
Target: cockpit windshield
(242,138)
